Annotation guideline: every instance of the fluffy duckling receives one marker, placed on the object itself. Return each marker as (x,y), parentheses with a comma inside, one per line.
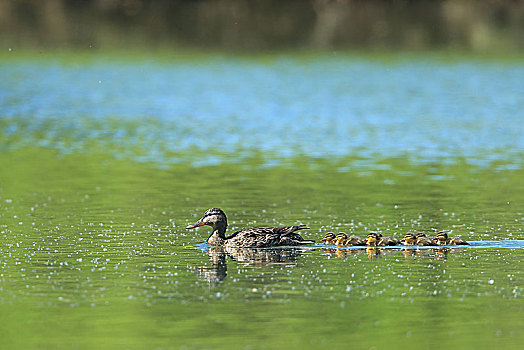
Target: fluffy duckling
(329,238)
(423,240)
(443,239)
(344,239)
(341,239)
(375,239)
(409,239)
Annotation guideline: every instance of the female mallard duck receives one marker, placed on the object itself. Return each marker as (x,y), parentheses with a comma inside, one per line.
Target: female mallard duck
(255,237)
(443,239)
(329,238)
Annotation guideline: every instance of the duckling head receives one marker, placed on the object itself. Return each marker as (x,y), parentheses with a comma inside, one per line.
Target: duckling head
(329,238)
(213,217)
(421,234)
(341,238)
(442,236)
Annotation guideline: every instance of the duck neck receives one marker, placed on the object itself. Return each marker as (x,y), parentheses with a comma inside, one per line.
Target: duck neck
(218,236)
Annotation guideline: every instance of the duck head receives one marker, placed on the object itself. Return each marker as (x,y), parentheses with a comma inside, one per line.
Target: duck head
(421,234)
(442,237)
(213,217)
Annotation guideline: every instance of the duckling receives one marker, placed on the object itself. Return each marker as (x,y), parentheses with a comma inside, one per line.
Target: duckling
(443,239)
(329,238)
(409,239)
(341,239)
(423,240)
(344,239)
(375,239)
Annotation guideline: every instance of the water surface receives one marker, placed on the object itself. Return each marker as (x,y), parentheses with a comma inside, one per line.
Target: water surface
(105,163)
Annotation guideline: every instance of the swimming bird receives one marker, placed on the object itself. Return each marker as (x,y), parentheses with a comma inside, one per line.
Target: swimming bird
(418,239)
(423,240)
(443,239)
(376,239)
(255,237)
(329,238)
(344,240)
(409,239)
(341,239)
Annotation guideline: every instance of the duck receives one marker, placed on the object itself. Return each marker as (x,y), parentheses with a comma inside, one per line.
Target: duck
(329,238)
(341,239)
(443,239)
(409,239)
(424,240)
(344,240)
(255,237)
(375,239)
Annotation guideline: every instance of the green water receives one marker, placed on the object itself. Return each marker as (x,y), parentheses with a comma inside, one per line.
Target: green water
(104,164)
(95,255)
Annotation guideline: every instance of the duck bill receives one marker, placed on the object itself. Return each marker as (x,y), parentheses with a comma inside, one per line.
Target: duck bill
(196,224)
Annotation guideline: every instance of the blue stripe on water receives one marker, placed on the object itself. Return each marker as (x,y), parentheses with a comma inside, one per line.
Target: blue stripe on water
(322,108)
(507,244)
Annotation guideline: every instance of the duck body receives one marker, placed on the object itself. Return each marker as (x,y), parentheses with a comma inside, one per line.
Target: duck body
(255,237)
(457,241)
(261,237)
(390,241)
(355,241)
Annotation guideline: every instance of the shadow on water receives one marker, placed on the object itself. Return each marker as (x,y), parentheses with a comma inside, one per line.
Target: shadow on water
(245,256)
(289,255)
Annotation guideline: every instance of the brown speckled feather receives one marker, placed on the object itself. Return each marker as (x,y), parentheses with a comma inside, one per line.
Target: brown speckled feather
(260,237)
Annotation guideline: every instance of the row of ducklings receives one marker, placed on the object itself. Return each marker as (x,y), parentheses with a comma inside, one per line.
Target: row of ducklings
(375,239)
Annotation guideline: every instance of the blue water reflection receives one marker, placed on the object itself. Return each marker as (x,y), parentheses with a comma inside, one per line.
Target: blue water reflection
(327,107)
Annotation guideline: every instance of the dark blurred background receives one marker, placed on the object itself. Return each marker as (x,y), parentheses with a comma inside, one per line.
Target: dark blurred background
(261,25)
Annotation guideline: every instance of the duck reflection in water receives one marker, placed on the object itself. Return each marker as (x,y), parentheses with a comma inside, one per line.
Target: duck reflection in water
(441,253)
(245,256)
(341,253)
